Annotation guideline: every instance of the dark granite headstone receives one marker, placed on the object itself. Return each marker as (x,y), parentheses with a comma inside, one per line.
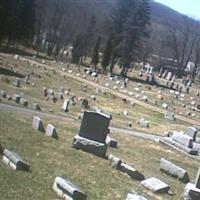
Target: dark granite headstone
(94,126)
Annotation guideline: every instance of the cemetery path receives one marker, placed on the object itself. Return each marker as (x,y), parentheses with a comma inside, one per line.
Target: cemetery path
(17,109)
(25,111)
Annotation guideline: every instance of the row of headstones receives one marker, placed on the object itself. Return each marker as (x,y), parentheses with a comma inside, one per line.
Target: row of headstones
(184,140)
(14,160)
(50,129)
(17,99)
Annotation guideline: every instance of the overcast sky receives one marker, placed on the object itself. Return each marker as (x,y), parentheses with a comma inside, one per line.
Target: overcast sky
(188,7)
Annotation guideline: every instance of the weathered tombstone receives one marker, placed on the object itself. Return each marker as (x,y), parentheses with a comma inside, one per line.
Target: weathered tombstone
(114,161)
(45,93)
(165,106)
(36,107)
(170,116)
(144,123)
(37,124)
(27,79)
(169,74)
(16,98)
(3,94)
(155,185)
(174,170)
(16,82)
(132,172)
(191,132)
(131,196)
(85,103)
(24,102)
(65,106)
(93,133)
(183,139)
(51,131)
(66,190)
(72,100)
(111,142)
(14,161)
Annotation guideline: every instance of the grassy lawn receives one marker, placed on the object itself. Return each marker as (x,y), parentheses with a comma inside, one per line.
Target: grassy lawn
(50,158)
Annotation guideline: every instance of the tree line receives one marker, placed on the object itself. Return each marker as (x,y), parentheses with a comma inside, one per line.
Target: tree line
(121,29)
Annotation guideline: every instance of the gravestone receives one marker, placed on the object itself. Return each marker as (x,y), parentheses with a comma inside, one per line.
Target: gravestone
(165,106)
(144,123)
(183,139)
(85,103)
(24,102)
(16,82)
(174,170)
(197,181)
(132,172)
(111,142)
(114,161)
(191,132)
(90,146)
(65,106)
(27,79)
(131,196)
(155,185)
(37,124)
(94,126)
(36,107)
(169,74)
(16,98)
(92,133)
(192,191)
(51,131)
(170,116)
(3,94)
(14,161)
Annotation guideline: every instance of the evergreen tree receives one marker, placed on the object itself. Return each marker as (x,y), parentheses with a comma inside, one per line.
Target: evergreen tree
(78,48)
(129,25)
(17,20)
(107,54)
(95,57)
(89,36)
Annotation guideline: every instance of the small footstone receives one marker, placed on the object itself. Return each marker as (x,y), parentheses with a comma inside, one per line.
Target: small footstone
(155,185)
(24,102)
(36,107)
(37,124)
(114,161)
(111,142)
(67,190)
(132,172)
(16,98)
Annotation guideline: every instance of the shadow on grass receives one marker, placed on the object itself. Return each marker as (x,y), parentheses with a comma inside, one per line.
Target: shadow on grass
(10,72)
(21,52)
